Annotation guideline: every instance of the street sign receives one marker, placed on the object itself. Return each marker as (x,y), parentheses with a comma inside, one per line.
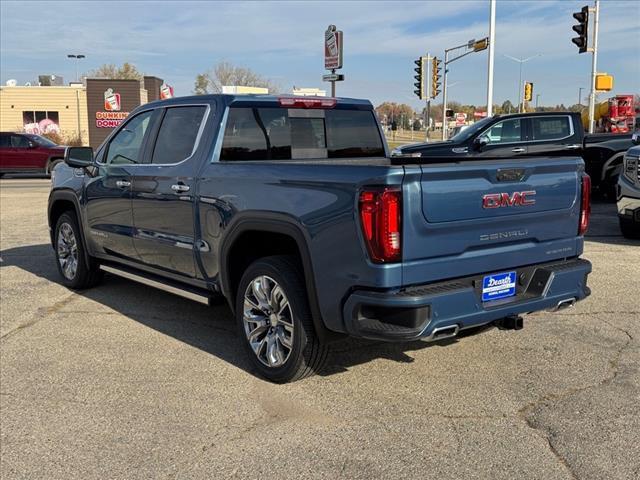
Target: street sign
(332,48)
(333,77)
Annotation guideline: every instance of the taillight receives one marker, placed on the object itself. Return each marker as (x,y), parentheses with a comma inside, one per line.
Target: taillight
(585,205)
(307,102)
(380,218)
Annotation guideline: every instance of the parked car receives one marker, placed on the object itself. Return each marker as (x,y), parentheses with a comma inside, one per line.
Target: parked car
(535,134)
(628,192)
(291,209)
(27,153)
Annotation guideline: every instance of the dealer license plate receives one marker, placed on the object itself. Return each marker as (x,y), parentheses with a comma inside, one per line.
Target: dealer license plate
(498,285)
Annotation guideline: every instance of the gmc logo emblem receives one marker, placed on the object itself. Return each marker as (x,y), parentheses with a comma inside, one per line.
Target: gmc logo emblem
(498,200)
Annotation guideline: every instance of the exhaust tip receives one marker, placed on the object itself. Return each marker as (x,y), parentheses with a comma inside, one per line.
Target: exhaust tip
(562,304)
(442,333)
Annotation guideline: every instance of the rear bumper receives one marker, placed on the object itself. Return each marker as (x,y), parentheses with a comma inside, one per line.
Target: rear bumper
(428,310)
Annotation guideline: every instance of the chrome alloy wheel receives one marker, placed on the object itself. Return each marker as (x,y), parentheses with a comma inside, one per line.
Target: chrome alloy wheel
(268,321)
(67,251)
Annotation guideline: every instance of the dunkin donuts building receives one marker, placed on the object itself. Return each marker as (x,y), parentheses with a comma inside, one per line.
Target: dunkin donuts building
(90,110)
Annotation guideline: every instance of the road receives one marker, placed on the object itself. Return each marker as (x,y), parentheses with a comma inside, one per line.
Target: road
(123,381)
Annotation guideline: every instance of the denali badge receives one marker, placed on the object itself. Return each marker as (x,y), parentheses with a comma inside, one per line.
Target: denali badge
(504,235)
(497,200)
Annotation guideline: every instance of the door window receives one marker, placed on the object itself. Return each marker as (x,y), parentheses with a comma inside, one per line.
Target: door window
(178,133)
(19,141)
(550,128)
(507,131)
(4,141)
(126,147)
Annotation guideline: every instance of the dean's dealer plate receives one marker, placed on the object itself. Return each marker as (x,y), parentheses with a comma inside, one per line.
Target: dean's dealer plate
(498,285)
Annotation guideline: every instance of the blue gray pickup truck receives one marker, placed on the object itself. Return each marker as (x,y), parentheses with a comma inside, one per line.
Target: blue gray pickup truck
(292,209)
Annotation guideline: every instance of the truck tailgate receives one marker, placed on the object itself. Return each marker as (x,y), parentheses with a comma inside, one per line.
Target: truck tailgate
(487,215)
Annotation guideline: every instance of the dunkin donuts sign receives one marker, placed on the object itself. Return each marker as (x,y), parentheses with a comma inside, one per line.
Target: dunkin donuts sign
(111,117)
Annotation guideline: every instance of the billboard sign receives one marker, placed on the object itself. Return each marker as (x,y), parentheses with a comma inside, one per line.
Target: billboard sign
(333,48)
(166,91)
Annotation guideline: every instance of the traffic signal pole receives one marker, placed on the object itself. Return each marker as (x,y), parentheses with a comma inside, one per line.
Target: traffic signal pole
(444,95)
(594,63)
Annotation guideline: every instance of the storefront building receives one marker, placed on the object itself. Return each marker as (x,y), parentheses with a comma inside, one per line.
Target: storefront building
(85,112)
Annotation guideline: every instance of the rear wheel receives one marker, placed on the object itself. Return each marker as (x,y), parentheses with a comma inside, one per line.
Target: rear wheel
(629,228)
(76,272)
(274,320)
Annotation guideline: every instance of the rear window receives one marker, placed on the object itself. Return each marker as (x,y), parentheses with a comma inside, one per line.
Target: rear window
(285,134)
(549,128)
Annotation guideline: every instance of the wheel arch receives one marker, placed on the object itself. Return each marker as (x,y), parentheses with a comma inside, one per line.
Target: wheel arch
(274,226)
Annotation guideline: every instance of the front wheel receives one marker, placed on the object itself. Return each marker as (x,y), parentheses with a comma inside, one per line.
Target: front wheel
(274,320)
(629,228)
(76,272)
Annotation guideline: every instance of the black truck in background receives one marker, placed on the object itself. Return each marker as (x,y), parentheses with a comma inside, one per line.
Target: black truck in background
(534,134)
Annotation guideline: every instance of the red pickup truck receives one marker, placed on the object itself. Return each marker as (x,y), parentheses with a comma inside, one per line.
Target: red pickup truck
(27,153)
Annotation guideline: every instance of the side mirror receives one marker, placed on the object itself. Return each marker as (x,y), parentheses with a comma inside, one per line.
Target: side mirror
(78,157)
(480,142)
(635,138)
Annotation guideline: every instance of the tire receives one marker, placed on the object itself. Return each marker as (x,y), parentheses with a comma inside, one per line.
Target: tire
(52,164)
(72,265)
(285,347)
(629,228)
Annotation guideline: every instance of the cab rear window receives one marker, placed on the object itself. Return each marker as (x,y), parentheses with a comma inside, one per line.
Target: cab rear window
(291,134)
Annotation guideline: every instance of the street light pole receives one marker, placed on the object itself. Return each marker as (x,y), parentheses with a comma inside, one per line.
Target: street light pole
(77,57)
(492,42)
(580,95)
(594,63)
(537,96)
(520,86)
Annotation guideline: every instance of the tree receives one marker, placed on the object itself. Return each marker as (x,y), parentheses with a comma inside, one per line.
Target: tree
(507,107)
(225,73)
(399,113)
(127,71)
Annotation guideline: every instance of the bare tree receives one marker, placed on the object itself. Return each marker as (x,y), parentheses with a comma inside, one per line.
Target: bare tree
(127,71)
(225,73)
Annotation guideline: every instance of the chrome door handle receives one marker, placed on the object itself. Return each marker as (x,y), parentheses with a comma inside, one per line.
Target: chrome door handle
(123,183)
(572,147)
(179,188)
(517,150)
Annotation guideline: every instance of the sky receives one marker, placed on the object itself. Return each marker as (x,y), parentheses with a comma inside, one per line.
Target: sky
(284,42)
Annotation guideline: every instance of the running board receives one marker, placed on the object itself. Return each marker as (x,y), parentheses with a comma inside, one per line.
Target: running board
(184,292)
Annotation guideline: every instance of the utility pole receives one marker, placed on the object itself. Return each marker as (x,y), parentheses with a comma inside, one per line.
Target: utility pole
(492,42)
(594,63)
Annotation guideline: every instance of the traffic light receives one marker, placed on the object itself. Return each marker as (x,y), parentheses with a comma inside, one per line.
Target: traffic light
(528,91)
(435,77)
(420,77)
(581,29)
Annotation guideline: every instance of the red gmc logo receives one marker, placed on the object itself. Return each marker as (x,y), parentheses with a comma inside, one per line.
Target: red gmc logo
(498,200)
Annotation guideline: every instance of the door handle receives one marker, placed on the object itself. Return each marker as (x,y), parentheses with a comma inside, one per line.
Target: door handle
(180,188)
(123,183)
(572,147)
(517,150)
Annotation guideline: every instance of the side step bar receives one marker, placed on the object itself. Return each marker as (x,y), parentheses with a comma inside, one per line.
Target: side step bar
(184,292)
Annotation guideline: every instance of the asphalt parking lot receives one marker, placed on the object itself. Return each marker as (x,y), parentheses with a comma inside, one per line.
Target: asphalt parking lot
(124,381)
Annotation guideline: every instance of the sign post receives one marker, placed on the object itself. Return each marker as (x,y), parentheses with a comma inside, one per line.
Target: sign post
(333,42)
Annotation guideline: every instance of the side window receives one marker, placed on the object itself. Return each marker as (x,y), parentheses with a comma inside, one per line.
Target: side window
(177,135)
(508,131)
(4,141)
(19,141)
(549,128)
(243,137)
(125,147)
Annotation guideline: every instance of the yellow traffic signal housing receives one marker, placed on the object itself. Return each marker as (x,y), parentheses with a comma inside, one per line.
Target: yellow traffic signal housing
(435,77)
(528,91)
(604,82)
(420,77)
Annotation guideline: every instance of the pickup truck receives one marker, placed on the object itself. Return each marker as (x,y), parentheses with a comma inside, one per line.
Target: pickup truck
(535,134)
(628,192)
(292,210)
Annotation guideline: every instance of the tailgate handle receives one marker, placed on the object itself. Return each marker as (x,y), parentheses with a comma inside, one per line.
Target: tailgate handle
(517,150)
